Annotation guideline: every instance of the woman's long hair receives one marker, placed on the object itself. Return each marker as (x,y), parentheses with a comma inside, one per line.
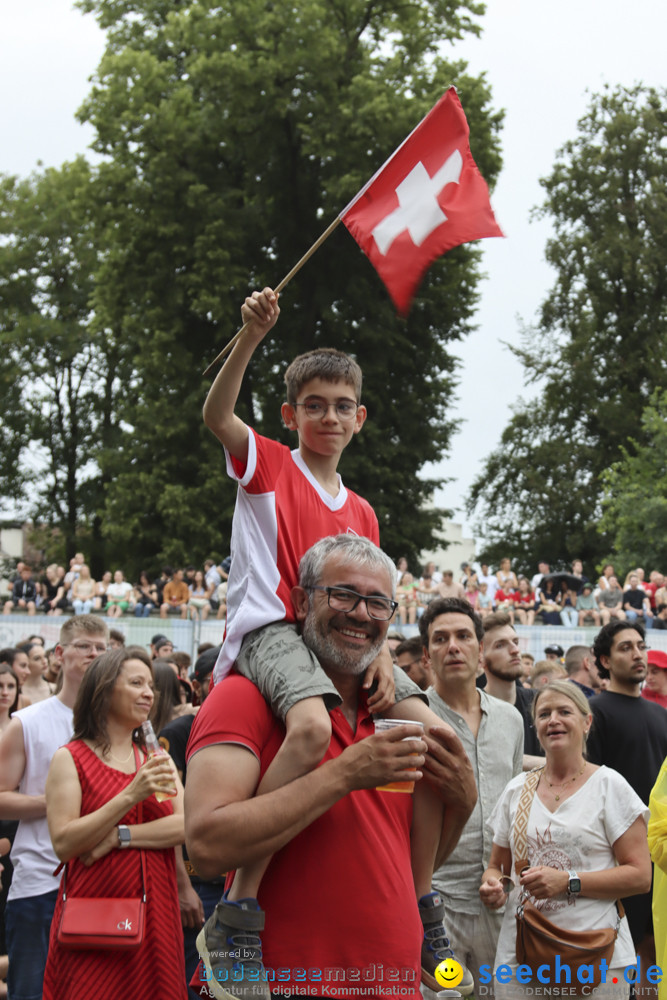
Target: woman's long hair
(6,669)
(91,709)
(167,694)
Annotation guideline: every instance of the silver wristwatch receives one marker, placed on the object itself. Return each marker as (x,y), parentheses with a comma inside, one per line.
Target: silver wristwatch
(124,836)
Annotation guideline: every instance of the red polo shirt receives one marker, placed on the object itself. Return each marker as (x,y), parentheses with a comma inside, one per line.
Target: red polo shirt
(341,912)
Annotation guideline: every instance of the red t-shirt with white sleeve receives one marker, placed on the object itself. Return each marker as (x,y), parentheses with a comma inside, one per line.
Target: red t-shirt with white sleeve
(281,510)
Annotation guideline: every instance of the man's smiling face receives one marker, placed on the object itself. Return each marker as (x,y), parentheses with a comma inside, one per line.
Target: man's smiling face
(345,642)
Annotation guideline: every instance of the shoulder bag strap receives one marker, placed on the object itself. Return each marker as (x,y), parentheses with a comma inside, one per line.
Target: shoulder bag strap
(137,761)
(521,819)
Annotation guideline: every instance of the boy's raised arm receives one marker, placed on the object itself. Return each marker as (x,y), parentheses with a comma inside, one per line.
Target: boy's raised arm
(260,310)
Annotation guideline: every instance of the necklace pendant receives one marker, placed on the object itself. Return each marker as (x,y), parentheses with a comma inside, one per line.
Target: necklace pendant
(557,797)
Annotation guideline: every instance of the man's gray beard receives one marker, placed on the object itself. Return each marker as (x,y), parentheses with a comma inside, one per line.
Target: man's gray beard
(330,654)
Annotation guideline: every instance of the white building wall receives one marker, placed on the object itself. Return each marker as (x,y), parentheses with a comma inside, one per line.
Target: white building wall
(453,549)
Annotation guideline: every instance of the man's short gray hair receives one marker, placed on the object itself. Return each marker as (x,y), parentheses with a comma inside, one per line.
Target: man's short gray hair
(351,548)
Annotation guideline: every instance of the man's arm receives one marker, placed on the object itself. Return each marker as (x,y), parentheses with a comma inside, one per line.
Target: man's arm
(226,827)
(449,771)
(261,309)
(13,804)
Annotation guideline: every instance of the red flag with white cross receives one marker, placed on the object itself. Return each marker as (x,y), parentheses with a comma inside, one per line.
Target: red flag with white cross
(427,198)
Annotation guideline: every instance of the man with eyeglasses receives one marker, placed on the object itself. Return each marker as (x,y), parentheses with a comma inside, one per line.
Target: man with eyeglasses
(629,734)
(30,741)
(410,657)
(338,889)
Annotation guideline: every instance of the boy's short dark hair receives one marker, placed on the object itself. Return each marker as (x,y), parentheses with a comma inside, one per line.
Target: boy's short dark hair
(326,363)
(448,606)
(603,642)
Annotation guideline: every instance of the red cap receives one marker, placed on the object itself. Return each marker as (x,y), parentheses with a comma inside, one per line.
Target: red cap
(657,658)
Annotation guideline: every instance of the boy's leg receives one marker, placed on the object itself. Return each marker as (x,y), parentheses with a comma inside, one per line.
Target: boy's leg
(294,684)
(307,738)
(428,817)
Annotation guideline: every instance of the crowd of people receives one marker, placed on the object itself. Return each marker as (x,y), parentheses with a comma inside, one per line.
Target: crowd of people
(560,598)
(525,786)
(79,676)
(189,592)
(505,733)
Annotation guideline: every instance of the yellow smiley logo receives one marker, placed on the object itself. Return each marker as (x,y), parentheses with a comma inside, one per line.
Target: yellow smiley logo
(449,973)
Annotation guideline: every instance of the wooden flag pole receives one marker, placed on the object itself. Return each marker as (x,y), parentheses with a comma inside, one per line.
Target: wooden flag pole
(288,277)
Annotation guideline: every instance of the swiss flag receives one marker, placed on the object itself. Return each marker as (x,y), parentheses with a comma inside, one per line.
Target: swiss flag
(427,198)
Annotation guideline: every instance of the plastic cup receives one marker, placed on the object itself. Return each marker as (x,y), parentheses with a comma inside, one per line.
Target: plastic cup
(383,726)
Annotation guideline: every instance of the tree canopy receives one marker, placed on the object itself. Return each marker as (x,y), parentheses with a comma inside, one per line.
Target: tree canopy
(634,501)
(597,352)
(230,137)
(61,378)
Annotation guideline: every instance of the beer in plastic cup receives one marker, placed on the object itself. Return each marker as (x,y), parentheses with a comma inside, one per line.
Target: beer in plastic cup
(383,726)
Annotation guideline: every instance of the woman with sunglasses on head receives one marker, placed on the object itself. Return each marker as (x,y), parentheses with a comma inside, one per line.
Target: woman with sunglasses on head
(115,836)
(585,844)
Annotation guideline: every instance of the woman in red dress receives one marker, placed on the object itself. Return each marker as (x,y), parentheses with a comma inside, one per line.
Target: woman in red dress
(96,786)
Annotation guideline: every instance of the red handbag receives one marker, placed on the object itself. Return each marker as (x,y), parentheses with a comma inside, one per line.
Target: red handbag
(91,922)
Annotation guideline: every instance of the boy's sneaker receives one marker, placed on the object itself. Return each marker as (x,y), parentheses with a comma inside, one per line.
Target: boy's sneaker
(230,947)
(435,946)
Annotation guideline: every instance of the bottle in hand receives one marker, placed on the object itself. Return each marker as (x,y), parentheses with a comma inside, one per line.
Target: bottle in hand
(153,749)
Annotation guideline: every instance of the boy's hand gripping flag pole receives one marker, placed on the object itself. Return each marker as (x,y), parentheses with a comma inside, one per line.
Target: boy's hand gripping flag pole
(428,197)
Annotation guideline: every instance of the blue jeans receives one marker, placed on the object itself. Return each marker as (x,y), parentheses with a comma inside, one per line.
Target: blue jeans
(28,924)
(82,607)
(569,617)
(209,895)
(143,610)
(632,616)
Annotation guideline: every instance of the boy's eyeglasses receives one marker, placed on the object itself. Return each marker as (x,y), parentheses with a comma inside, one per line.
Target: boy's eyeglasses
(380,608)
(315,409)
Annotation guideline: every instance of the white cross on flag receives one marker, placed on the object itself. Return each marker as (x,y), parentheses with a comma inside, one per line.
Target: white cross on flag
(427,198)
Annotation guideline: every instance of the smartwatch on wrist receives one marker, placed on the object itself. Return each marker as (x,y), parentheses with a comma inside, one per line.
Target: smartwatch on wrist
(124,836)
(573,884)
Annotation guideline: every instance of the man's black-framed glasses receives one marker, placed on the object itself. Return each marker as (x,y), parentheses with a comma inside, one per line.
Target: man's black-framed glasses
(316,409)
(341,599)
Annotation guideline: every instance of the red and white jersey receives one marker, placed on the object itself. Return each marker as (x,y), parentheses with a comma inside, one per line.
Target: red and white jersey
(281,510)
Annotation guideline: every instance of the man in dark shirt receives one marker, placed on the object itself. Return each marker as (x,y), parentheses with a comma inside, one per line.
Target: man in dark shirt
(581,670)
(629,734)
(636,604)
(503,668)
(24,593)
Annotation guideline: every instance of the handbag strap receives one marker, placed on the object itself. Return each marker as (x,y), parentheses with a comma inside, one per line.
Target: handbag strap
(140,817)
(521,818)
(142,854)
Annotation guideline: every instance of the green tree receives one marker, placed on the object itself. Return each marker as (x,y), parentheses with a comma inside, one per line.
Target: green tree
(231,136)
(634,501)
(597,352)
(60,378)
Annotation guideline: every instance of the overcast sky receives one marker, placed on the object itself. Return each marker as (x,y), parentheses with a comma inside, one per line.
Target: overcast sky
(542,58)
